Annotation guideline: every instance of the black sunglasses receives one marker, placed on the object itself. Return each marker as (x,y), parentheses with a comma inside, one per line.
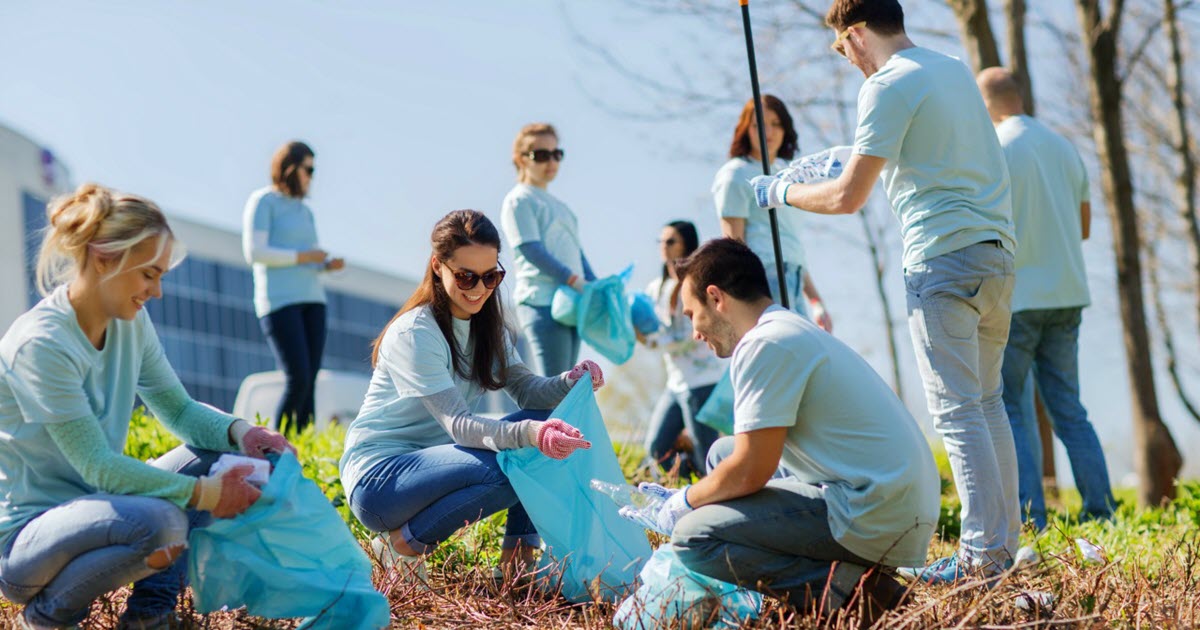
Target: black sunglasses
(545,155)
(466,280)
(668,241)
(309,169)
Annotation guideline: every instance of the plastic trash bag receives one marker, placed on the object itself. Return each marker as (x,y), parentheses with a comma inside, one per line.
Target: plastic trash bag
(563,305)
(641,312)
(597,553)
(717,411)
(288,555)
(672,595)
(603,318)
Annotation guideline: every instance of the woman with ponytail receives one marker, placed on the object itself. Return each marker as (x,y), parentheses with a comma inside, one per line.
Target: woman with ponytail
(77,517)
(418,463)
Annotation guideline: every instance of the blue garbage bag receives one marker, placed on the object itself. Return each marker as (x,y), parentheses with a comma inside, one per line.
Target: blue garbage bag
(641,311)
(672,595)
(597,552)
(717,411)
(603,317)
(288,555)
(564,304)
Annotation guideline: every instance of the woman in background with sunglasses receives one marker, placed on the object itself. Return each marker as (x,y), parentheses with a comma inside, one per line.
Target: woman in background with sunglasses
(417,463)
(279,240)
(692,369)
(742,219)
(545,236)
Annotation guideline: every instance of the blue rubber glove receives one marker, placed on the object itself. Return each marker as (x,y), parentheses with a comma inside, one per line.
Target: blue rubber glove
(770,191)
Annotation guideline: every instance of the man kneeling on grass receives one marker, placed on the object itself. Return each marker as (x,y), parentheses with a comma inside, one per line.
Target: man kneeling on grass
(827,483)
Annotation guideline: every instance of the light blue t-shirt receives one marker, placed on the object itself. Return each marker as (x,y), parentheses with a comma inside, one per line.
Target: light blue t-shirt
(1049,183)
(847,433)
(945,174)
(414,362)
(531,214)
(290,225)
(735,200)
(53,374)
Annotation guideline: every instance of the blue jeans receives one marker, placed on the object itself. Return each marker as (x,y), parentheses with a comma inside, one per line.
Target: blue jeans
(1047,340)
(552,346)
(296,334)
(432,493)
(959,308)
(778,536)
(673,413)
(73,553)
(794,276)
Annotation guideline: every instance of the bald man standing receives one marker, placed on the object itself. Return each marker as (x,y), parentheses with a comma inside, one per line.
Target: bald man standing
(1052,216)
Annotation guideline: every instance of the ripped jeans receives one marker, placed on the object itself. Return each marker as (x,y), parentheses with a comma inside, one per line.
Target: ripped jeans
(73,553)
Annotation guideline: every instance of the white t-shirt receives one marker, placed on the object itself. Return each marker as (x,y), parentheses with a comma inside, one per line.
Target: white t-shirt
(847,433)
(735,200)
(531,214)
(51,373)
(945,176)
(414,362)
(690,363)
(1049,183)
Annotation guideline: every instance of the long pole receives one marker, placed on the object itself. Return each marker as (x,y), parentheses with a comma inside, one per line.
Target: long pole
(762,153)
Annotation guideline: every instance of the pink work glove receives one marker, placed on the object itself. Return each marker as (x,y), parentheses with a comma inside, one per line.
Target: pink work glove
(255,441)
(229,494)
(557,439)
(589,367)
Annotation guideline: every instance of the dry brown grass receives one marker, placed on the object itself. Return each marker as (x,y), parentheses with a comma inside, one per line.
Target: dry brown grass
(1124,592)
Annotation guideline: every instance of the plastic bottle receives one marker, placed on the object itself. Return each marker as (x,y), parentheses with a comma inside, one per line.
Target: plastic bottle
(625,495)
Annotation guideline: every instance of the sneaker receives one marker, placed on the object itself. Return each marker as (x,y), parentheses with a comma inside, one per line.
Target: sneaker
(942,571)
(409,567)
(164,621)
(877,593)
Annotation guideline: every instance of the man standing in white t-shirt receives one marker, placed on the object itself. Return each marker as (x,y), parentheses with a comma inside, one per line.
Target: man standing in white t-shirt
(1052,213)
(924,131)
(827,482)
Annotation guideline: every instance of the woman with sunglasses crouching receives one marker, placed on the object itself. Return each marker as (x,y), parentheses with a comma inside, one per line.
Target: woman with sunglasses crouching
(279,240)
(418,463)
(545,236)
(79,519)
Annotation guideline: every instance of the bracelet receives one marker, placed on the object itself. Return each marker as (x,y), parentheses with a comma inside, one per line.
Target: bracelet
(784,198)
(685,501)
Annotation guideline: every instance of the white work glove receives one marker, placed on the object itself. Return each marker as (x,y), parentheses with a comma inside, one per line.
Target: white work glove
(770,191)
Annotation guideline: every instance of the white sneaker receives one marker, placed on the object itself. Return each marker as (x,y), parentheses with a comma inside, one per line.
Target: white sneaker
(408,567)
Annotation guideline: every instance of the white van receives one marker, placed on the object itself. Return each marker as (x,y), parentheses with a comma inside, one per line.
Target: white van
(339,395)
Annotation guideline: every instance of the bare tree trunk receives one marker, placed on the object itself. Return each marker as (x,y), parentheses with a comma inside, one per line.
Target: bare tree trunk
(1164,326)
(1186,183)
(976,32)
(1017,57)
(1156,457)
(889,325)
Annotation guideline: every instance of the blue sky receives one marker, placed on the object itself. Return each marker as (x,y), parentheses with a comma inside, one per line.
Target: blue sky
(411,108)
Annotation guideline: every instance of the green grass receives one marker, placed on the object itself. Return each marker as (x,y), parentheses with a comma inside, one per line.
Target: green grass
(1150,577)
